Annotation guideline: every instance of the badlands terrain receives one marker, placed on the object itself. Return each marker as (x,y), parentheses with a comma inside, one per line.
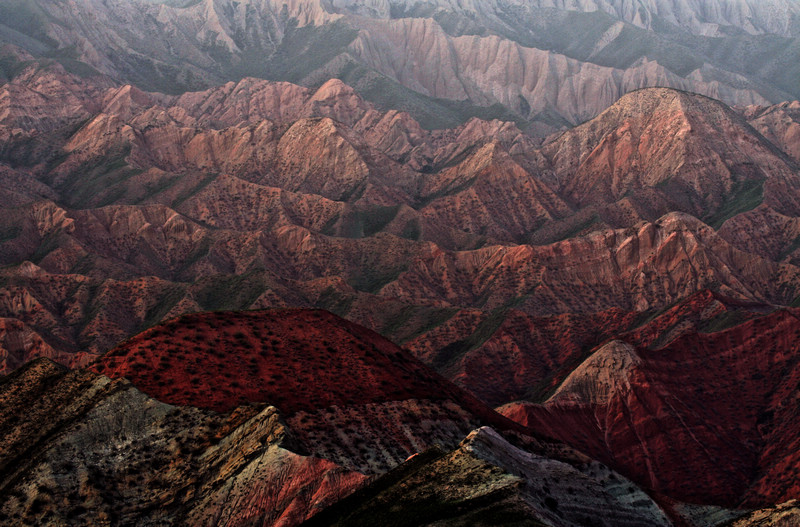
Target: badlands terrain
(399,263)
(541,63)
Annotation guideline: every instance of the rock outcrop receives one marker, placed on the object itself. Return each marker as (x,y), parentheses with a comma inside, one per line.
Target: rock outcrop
(296,359)
(488,478)
(81,449)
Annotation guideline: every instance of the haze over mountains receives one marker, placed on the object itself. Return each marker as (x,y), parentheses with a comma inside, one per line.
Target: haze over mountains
(623,291)
(544,62)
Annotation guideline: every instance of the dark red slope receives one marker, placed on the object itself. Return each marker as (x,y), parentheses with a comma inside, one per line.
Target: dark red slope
(703,312)
(527,357)
(710,418)
(295,359)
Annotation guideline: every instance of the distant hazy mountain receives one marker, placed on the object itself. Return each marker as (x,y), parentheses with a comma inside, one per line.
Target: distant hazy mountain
(554,62)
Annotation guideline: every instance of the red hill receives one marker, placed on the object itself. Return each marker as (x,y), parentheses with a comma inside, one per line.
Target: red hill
(298,360)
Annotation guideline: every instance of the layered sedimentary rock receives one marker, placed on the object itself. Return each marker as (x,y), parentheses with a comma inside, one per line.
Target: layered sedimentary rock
(86,450)
(489,479)
(667,215)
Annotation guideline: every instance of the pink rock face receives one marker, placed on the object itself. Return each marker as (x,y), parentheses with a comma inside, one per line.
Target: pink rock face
(667,139)
(301,488)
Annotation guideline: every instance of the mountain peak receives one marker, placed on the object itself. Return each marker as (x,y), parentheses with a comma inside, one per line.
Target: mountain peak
(332,88)
(600,377)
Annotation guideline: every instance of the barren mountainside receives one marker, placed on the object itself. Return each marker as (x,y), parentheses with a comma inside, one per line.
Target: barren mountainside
(291,196)
(721,390)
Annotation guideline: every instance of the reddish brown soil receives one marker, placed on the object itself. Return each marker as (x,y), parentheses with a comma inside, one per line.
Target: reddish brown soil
(709,418)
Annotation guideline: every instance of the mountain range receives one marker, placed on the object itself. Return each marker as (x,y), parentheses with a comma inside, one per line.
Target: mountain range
(399,263)
(544,64)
